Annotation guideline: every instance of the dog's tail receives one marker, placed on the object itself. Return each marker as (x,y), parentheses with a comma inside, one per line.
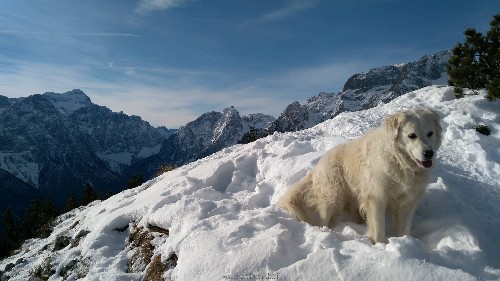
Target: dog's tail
(293,199)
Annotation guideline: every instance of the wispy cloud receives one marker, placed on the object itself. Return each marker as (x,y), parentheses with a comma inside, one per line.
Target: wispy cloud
(289,9)
(93,34)
(183,95)
(170,103)
(328,77)
(147,6)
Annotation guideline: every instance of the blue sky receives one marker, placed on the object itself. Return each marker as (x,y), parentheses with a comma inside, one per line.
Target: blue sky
(169,61)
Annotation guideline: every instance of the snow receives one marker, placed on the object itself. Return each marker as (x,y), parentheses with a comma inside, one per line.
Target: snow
(117,161)
(18,164)
(257,121)
(223,223)
(70,101)
(223,122)
(148,151)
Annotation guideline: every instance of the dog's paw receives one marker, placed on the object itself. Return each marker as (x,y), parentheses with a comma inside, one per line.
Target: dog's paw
(379,240)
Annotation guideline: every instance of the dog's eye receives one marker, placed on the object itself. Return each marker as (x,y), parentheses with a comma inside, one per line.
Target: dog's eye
(429,134)
(412,136)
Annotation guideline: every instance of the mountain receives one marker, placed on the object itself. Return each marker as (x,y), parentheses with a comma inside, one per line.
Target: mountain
(166,133)
(209,133)
(52,144)
(216,218)
(365,90)
(214,131)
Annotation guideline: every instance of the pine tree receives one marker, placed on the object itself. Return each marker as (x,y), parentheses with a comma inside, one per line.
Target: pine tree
(49,209)
(89,195)
(13,234)
(475,64)
(37,217)
(136,181)
(71,203)
(33,217)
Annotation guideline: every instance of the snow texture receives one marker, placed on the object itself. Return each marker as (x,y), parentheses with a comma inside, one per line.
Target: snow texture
(223,223)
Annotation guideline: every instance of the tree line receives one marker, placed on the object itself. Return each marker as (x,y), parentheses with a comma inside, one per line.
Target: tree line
(475,63)
(38,219)
(40,214)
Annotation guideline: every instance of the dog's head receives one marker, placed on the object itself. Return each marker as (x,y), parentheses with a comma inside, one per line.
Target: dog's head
(417,133)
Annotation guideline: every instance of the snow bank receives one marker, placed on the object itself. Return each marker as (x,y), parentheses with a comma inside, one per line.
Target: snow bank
(223,223)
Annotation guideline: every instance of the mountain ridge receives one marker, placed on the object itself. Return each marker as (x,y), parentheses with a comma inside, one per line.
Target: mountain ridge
(46,136)
(56,143)
(365,90)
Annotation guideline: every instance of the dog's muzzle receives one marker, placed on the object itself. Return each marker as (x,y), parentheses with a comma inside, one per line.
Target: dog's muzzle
(427,162)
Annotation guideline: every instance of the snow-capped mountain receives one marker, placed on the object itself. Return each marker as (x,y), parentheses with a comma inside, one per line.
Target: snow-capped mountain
(55,143)
(214,131)
(209,133)
(216,218)
(365,90)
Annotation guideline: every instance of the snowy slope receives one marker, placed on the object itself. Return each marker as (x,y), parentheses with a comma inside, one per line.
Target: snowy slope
(223,224)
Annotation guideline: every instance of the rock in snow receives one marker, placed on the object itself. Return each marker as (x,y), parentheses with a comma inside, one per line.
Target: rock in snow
(223,224)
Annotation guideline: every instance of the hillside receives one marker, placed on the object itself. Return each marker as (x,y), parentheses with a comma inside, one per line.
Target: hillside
(216,219)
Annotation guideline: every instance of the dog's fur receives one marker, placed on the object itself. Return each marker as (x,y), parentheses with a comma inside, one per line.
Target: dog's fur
(386,169)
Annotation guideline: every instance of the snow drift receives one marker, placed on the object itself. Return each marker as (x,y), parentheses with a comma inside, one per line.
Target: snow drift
(223,224)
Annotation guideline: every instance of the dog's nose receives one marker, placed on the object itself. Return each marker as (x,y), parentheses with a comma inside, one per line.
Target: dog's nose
(428,154)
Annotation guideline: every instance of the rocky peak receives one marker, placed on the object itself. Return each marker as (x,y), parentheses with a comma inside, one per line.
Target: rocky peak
(381,76)
(365,90)
(4,102)
(257,121)
(70,101)
(402,77)
(59,142)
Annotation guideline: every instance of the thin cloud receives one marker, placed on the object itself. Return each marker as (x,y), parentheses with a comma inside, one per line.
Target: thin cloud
(160,104)
(147,6)
(290,8)
(322,77)
(93,34)
(173,103)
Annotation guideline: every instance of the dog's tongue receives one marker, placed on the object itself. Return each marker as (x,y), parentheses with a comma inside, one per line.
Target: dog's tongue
(427,164)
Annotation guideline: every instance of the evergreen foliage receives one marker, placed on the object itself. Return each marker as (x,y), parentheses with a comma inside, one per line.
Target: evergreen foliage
(71,203)
(136,181)
(90,195)
(37,223)
(164,169)
(475,64)
(12,231)
(252,135)
(38,218)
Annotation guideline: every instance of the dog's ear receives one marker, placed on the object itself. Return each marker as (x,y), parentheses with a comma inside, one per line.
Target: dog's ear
(435,119)
(392,124)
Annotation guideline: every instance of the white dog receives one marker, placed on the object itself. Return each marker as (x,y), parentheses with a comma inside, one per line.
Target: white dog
(386,169)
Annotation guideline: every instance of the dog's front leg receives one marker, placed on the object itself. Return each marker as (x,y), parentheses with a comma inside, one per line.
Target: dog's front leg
(403,218)
(375,213)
